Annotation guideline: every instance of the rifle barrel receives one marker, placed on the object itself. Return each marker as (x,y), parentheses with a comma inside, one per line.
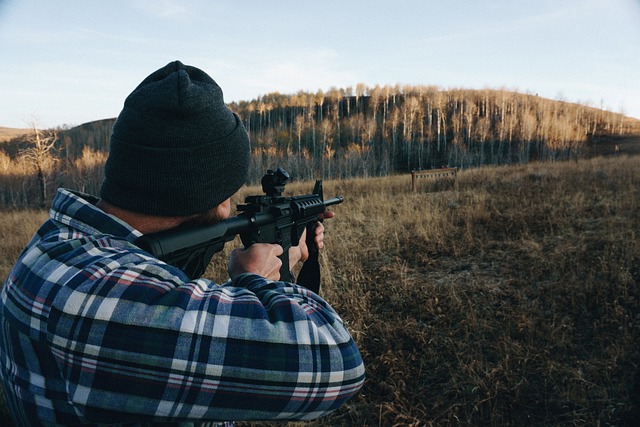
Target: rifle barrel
(334,201)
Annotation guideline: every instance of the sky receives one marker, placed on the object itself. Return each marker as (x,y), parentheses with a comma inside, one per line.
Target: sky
(69,62)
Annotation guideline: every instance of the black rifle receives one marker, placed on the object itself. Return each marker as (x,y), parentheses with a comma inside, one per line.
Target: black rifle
(268,218)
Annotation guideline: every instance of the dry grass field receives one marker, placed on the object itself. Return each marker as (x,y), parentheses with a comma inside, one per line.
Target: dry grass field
(510,297)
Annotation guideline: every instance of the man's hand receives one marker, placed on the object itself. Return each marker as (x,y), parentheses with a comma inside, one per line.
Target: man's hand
(319,239)
(259,258)
(262,258)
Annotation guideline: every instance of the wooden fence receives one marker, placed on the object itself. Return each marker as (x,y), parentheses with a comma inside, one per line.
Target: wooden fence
(432,173)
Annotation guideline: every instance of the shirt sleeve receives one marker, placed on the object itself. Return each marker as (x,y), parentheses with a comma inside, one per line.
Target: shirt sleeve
(142,342)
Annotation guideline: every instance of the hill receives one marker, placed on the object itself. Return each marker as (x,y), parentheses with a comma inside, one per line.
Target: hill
(385,130)
(7,134)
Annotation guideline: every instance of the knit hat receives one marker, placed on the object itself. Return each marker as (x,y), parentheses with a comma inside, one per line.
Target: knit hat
(176,149)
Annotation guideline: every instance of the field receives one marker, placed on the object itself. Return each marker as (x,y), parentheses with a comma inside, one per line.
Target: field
(510,297)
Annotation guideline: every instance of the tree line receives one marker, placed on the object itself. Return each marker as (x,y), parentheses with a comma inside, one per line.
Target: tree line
(340,134)
(384,130)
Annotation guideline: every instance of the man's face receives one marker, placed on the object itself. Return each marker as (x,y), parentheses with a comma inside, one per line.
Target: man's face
(214,215)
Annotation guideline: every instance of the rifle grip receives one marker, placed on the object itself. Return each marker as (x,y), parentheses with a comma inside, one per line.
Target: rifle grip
(285,270)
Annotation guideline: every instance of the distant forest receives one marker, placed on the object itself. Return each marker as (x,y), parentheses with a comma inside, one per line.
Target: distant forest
(364,132)
(384,130)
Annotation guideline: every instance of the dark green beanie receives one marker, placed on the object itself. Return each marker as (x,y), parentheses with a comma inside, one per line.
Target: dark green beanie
(176,149)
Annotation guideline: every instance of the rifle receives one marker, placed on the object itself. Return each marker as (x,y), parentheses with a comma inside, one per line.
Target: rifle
(268,218)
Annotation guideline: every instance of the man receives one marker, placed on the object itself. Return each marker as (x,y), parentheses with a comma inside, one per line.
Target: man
(95,330)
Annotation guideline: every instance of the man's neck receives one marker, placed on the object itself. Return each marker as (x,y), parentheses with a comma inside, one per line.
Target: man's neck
(144,223)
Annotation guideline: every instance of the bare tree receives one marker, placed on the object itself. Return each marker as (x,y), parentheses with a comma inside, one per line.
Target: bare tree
(299,124)
(327,129)
(39,154)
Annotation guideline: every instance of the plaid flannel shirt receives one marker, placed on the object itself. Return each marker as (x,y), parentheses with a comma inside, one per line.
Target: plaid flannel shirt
(93,330)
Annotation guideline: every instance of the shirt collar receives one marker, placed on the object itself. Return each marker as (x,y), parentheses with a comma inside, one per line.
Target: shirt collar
(79,211)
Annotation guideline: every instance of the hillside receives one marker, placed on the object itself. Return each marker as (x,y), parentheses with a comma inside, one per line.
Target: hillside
(385,130)
(7,134)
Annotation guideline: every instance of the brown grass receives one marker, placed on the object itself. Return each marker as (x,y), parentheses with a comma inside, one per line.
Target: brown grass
(511,299)
(508,298)
(16,229)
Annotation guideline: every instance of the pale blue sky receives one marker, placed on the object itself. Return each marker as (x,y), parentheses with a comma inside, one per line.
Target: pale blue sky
(74,61)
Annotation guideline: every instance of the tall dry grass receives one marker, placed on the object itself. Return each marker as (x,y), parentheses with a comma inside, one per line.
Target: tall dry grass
(16,229)
(510,297)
